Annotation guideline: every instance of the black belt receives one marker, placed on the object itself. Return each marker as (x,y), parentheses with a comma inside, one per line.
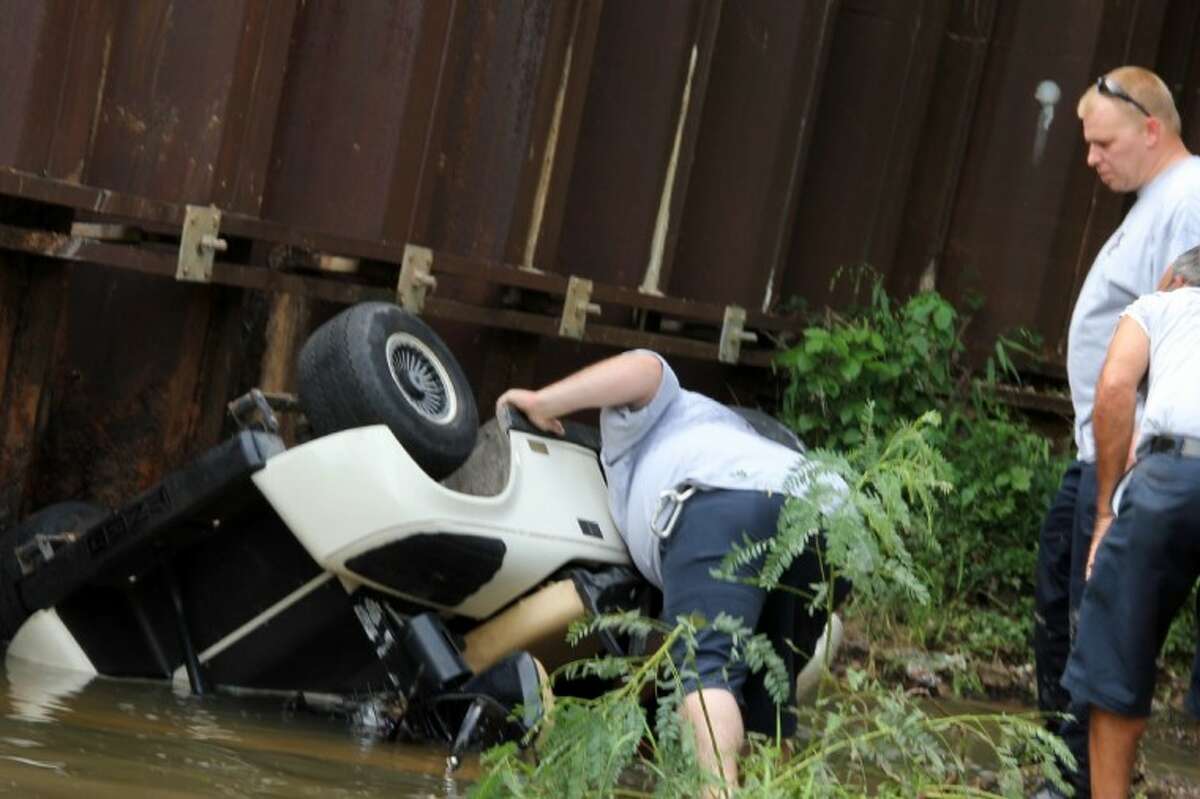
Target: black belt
(1184,446)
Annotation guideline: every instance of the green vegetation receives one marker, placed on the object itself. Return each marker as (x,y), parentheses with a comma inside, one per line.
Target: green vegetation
(908,359)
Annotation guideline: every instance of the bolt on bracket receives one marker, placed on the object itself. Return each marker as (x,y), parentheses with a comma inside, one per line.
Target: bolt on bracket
(198,243)
(416,278)
(577,306)
(733,334)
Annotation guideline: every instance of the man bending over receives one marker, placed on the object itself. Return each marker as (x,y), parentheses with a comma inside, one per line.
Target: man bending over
(687,480)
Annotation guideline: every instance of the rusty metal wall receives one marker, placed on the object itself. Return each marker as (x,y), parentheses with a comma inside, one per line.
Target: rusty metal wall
(732,152)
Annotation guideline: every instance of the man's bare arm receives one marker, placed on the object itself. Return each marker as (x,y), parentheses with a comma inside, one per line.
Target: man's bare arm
(1114,414)
(631,379)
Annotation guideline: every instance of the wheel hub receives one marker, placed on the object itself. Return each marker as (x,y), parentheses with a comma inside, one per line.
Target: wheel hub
(421,378)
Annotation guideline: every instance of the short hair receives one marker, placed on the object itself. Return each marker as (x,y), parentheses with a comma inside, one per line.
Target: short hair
(1187,266)
(1145,87)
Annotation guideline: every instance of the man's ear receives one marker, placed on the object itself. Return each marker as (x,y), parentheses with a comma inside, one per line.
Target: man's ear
(1152,131)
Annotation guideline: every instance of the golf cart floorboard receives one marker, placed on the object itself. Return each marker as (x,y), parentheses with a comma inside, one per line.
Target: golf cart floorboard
(205,535)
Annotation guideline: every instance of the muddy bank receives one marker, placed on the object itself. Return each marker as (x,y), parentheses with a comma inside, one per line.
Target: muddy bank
(1170,758)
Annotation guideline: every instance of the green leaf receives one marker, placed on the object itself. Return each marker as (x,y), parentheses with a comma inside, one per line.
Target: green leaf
(851,370)
(943,317)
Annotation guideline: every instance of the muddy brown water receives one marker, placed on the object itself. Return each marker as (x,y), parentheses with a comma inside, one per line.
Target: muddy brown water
(63,735)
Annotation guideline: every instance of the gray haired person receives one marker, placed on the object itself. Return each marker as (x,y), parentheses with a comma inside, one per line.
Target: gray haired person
(1145,554)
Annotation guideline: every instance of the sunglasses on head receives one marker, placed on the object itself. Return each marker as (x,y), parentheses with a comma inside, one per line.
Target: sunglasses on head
(1110,88)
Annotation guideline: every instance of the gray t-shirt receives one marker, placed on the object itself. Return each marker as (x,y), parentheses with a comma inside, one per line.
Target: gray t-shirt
(1161,225)
(1171,320)
(682,438)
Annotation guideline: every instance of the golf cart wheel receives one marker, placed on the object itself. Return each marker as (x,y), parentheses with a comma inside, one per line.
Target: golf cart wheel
(375,363)
(62,517)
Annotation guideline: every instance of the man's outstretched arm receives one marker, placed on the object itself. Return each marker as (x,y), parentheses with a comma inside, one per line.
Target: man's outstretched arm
(631,378)
(1113,417)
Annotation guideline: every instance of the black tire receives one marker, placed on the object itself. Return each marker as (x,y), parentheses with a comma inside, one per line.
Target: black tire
(62,517)
(374,363)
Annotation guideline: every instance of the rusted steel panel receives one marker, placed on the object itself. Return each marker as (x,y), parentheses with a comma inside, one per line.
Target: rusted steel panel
(23,29)
(176,73)
(31,70)
(124,385)
(573,69)
(630,116)
(54,60)
(355,108)
(36,289)
(252,106)
(942,149)
(1023,200)
(762,97)
(1179,65)
(873,102)
(84,60)
(682,160)
(479,159)
(230,366)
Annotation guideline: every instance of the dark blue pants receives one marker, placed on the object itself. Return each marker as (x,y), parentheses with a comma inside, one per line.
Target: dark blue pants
(1063,546)
(1144,571)
(710,524)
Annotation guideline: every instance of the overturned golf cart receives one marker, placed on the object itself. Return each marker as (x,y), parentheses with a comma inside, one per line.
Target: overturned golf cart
(342,566)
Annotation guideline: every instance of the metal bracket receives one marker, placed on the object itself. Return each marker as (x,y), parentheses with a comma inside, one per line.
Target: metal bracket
(733,334)
(198,243)
(255,410)
(41,549)
(577,305)
(416,278)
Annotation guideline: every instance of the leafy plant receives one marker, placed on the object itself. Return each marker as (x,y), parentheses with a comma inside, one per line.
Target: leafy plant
(906,359)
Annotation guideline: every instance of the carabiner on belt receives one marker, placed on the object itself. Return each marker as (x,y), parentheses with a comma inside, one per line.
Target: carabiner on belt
(670,502)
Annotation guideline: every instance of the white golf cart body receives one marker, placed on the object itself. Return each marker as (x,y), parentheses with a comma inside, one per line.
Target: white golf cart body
(358,503)
(368,518)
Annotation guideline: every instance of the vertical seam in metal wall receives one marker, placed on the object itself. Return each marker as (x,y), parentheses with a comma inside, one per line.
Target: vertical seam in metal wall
(233,190)
(430,124)
(650,279)
(551,152)
(62,93)
(785,230)
(890,152)
(961,147)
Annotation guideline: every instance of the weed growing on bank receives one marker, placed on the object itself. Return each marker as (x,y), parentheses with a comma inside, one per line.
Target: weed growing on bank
(907,359)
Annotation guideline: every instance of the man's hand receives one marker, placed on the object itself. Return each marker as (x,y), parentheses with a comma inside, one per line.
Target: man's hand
(527,402)
(1103,522)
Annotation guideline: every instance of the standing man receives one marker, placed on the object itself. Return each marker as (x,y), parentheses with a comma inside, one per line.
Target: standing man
(1132,132)
(1142,566)
(687,480)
